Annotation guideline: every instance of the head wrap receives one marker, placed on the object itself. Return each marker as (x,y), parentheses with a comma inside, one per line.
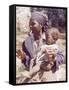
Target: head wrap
(41,18)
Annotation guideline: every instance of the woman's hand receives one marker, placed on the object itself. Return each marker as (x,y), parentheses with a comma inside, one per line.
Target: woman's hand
(20,54)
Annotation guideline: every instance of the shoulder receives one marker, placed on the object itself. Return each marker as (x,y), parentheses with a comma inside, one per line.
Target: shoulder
(43,46)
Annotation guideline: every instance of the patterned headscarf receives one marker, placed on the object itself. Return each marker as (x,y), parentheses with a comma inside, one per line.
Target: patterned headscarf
(41,18)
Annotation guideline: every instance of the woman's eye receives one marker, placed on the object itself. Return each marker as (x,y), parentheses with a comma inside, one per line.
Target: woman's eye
(33,24)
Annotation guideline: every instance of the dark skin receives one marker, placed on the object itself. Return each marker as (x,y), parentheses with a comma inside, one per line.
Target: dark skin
(51,38)
(52,35)
(36,28)
(20,54)
(48,65)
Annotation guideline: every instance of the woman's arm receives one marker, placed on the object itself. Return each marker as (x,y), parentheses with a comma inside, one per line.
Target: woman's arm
(20,54)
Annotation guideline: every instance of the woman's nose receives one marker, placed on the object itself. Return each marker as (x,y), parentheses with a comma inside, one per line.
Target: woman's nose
(30,26)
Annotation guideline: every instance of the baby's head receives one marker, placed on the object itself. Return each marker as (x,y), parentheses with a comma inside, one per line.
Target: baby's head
(52,35)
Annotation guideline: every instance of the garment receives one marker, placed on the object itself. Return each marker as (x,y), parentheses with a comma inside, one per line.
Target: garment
(31,48)
(19,66)
(59,57)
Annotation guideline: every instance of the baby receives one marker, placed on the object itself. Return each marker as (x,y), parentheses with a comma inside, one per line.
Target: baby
(52,54)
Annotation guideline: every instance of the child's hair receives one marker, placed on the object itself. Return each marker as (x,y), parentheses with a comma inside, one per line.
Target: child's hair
(54,32)
(52,35)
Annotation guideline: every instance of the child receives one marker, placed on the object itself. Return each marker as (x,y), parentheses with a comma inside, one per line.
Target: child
(50,55)
(53,54)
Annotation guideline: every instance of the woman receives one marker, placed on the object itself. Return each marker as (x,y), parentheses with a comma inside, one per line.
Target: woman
(38,23)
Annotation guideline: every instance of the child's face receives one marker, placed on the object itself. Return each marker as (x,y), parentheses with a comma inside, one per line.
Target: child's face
(51,36)
(49,39)
(55,35)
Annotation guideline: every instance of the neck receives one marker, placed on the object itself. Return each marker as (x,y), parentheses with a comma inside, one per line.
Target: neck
(50,43)
(38,35)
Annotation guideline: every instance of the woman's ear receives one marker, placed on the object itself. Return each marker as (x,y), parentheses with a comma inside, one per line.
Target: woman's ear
(40,26)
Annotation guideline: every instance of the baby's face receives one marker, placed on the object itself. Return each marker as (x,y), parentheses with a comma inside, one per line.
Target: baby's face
(49,39)
(55,35)
(52,36)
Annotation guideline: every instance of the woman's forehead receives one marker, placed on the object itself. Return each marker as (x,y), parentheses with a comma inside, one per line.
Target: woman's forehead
(33,21)
(52,30)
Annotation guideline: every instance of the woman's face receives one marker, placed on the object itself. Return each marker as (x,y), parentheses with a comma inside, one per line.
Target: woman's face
(35,27)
